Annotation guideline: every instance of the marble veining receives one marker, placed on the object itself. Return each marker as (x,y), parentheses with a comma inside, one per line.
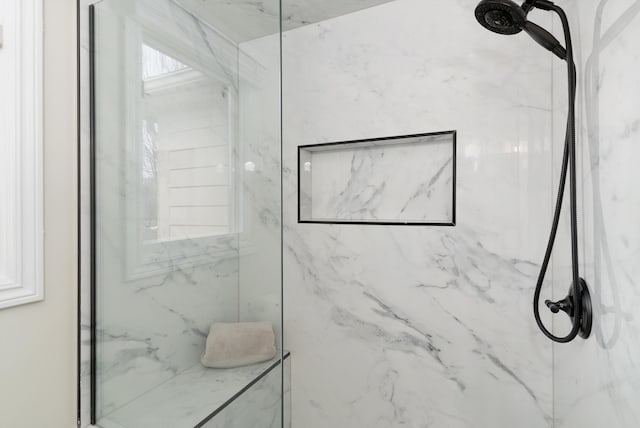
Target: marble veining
(246,20)
(403,180)
(187,399)
(597,382)
(419,328)
(260,273)
(260,406)
(395,326)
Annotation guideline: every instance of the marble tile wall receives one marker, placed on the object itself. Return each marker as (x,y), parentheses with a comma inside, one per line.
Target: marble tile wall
(247,20)
(395,326)
(260,406)
(421,326)
(597,382)
(260,261)
(192,397)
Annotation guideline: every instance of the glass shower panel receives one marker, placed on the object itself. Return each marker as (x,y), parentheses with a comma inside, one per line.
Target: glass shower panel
(597,383)
(186,143)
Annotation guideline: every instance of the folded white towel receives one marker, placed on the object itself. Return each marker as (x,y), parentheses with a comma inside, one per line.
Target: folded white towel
(239,344)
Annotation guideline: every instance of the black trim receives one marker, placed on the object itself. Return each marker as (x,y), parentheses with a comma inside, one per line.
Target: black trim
(373,140)
(386,222)
(454,208)
(242,391)
(377,223)
(79,217)
(299,184)
(92,185)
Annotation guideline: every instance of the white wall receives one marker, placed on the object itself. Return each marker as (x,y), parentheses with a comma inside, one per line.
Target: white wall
(260,264)
(395,326)
(597,382)
(38,341)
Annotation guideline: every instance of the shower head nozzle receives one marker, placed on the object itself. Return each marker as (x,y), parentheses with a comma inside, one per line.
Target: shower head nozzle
(506,17)
(501,16)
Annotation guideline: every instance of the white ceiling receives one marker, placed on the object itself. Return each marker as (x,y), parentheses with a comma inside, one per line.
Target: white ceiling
(243,20)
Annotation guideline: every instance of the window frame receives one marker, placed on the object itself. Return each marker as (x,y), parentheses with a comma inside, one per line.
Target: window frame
(21,154)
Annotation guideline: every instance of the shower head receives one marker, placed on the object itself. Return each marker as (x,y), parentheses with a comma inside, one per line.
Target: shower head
(507,17)
(501,16)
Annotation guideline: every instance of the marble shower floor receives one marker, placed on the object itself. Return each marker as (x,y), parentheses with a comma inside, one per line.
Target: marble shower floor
(187,399)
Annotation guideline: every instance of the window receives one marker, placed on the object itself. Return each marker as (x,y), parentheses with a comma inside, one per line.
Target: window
(21,210)
(182,197)
(184,152)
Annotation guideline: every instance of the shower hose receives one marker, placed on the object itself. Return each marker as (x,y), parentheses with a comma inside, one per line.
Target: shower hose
(568,167)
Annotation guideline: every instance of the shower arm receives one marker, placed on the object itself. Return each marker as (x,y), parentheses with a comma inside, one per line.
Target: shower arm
(538,4)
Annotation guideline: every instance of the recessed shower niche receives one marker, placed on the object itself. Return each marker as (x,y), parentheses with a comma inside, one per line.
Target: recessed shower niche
(404,180)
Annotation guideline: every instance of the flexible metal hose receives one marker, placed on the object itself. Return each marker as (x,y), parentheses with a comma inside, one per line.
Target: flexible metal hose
(568,166)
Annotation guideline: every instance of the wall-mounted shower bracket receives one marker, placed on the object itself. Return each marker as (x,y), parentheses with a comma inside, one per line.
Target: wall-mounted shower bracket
(585,315)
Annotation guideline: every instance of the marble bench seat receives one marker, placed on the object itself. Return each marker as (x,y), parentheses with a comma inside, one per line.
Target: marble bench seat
(194,397)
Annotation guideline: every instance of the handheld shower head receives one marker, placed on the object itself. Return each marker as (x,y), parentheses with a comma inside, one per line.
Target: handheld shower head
(501,16)
(507,17)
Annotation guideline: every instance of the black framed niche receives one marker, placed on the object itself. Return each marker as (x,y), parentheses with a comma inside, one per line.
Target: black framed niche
(405,180)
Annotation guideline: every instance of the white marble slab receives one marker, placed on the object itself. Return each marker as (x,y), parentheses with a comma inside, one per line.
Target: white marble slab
(246,20)
(260,406)
(191,397)
(416,326)
(597,382)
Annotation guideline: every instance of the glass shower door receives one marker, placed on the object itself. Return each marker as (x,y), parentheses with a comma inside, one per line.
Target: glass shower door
(186,201)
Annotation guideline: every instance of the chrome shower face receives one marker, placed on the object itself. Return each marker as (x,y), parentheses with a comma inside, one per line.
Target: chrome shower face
(501,16)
